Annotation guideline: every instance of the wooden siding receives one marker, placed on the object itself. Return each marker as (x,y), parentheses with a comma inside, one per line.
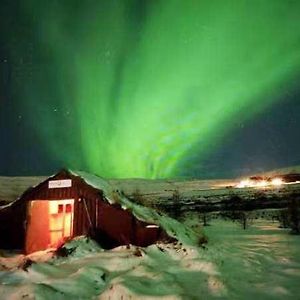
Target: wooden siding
(93,215)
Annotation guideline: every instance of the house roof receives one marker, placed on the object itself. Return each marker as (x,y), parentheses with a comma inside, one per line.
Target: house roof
(112,195)
(12,188)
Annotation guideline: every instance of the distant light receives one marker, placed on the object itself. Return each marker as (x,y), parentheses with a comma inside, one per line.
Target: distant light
(248,183)
(277,181)
(262,183)
(244,183)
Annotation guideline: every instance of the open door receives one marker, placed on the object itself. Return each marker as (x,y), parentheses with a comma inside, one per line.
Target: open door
(49,224)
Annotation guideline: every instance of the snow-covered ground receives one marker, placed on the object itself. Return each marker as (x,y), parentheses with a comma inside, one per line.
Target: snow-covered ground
(262,262)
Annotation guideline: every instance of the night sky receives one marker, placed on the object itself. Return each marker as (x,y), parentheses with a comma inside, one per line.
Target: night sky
(149,88)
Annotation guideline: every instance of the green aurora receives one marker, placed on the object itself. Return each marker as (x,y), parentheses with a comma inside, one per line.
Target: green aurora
(133,88)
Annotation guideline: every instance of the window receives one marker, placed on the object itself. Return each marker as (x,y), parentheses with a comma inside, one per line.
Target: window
(60,208)
(68,208)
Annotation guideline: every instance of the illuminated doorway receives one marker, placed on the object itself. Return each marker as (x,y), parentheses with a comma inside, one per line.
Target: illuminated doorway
(50,223)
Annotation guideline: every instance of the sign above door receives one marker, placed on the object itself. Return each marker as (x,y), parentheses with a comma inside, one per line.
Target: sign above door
(57,184)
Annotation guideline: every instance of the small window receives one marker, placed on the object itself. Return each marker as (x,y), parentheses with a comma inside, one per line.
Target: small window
(69,208)
(60,208)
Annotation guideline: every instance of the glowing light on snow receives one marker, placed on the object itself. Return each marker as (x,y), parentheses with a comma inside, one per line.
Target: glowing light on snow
(244,183)
(277,181)
(261,183)
(251,183)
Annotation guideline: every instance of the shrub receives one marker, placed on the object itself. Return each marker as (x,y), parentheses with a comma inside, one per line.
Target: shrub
(293,211)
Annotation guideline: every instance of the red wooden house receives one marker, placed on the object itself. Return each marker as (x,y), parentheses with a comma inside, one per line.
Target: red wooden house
(71,204)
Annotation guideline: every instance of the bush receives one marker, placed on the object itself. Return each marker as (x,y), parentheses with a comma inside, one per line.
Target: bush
(283,218)
(205,218)
(176,205)
(293,211)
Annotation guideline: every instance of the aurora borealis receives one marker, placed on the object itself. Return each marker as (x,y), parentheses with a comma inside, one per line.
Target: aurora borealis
(150,89)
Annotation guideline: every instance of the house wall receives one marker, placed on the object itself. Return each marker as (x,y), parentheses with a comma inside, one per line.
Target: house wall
(12,226)
(109,224)
(115,225)
(144,236)
(86,199)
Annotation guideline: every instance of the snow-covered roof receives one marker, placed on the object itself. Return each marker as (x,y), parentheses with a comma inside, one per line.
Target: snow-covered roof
(98,183)
(146,214)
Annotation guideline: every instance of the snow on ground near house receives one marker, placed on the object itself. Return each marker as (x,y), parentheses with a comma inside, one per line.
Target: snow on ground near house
(161,271)
(262,262)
